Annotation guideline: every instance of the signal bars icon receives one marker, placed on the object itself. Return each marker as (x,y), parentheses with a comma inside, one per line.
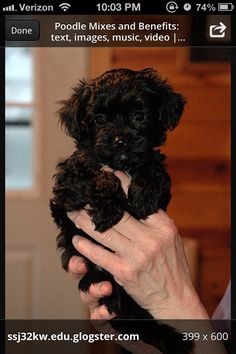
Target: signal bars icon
(65,6)
(9,8)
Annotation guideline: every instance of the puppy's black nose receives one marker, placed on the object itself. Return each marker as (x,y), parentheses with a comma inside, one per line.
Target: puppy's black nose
(119,141)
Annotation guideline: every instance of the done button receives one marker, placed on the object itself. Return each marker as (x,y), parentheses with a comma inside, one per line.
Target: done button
(22,31)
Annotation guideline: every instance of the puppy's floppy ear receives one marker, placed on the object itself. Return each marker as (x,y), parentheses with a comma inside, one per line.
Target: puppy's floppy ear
(168,103)
(73,112)
(171,106)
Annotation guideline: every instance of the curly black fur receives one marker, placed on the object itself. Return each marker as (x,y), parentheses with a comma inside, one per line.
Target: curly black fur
(117,120)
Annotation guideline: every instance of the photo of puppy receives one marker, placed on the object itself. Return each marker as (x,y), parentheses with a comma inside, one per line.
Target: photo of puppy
(120,120)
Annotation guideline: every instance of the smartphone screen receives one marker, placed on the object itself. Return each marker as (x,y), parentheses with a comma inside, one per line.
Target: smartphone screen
(176,62)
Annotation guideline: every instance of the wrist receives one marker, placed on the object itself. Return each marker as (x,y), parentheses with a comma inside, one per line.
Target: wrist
(184,306)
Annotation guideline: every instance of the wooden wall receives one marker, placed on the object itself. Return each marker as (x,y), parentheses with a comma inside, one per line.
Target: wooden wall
(198,154)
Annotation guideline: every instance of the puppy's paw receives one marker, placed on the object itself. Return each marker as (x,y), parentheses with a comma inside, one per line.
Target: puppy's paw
(106,215)
(109,201)
(106,184)
(147,196)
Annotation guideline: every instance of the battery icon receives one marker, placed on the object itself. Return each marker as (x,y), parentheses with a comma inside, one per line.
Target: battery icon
(225,6)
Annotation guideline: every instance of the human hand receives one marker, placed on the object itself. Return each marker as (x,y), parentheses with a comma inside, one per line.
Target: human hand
(169,279)
(148,260)
(77,268)
(98,313)
(100,316)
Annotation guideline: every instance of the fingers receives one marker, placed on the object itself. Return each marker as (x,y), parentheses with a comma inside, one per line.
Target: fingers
(124,179)
(110,238)
(101,313)
(129,227)
(96,254)
(77,267)
(160,221)
(159,217)
(92,297)
(91,300)
(96,292)
(116,237)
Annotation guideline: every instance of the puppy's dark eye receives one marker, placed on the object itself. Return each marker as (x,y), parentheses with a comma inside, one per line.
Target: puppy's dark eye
(138,116)
(100,119)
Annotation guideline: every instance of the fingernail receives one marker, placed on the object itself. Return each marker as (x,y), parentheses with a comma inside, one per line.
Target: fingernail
(82,266)
(75,240)
(104,288)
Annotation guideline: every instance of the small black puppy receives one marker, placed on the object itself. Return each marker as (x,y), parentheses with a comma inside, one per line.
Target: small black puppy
(117,120)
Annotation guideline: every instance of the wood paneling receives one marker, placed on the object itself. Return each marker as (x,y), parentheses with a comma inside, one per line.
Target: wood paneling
(138,58)
(199,140)
(199,171)
(193,206)
(214,263)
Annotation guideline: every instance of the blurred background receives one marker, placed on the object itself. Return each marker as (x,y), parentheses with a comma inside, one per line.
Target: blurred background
(198,161)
